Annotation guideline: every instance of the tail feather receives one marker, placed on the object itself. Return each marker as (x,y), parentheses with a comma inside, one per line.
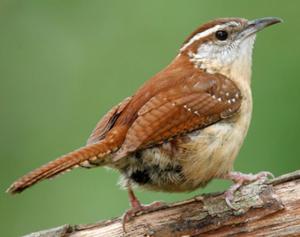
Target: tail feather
(60,165)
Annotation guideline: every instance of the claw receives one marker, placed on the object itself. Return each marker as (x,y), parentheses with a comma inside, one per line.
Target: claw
(265,174)
(239,179)
(229,195)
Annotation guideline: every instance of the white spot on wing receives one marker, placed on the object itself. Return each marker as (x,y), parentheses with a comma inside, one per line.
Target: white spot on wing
(197,113)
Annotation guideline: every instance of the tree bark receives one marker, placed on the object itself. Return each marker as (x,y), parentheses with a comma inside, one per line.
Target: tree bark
(270,208)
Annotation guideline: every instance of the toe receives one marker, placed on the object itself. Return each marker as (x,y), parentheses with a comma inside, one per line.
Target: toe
(229,196)
(265,174)
(229,203)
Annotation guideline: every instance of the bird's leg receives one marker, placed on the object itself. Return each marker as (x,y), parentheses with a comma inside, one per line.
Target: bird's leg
(137,207)
(239,179)
(134,202)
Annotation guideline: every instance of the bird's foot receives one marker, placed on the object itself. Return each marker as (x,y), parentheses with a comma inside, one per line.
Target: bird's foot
(138,208)
(239,179)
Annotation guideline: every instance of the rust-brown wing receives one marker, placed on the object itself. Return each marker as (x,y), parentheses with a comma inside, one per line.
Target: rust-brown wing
(197,103)
(107,122)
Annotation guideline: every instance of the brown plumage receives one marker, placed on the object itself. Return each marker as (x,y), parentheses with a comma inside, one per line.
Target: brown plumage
(60,165)
(185,125)
(147,118)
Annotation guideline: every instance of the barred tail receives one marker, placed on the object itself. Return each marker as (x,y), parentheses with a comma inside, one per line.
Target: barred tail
(64,163)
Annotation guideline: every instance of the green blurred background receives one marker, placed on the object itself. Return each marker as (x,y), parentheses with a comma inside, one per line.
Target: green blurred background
(63,64)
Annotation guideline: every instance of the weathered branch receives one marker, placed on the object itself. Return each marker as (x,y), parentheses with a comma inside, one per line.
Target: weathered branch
(263,209)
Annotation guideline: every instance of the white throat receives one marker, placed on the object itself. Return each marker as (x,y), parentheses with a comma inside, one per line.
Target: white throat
(233,61)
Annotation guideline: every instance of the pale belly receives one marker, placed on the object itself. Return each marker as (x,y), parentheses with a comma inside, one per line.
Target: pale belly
(188,162)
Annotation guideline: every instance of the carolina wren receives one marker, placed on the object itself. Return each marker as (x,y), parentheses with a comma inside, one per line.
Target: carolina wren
(183,127)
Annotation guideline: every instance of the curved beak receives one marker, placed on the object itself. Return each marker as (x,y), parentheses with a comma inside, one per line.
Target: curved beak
(256,25)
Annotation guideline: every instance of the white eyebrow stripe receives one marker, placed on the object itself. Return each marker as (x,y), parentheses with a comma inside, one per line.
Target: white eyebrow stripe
(200,35)
(206,33)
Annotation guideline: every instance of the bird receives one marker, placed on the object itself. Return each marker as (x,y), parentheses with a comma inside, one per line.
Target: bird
(184,126)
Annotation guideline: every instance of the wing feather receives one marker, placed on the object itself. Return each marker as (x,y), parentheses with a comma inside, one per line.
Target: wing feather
(194,105)
(107,122)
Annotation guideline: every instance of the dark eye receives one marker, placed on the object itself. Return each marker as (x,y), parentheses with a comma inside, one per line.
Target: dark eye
(222,35)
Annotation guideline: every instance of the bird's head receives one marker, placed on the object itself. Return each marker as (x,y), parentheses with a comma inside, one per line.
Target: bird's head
(224,44)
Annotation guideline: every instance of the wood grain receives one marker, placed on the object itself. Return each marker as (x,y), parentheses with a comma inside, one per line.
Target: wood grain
(269,208)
